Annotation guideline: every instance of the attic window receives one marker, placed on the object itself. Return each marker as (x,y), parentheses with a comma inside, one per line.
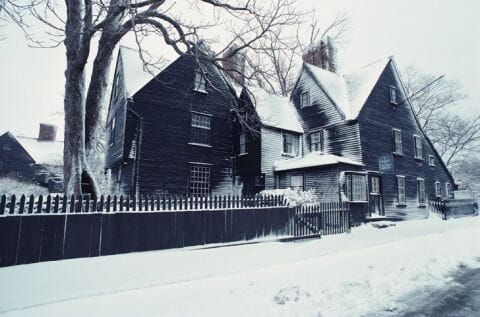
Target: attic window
(305,99)
(393,95)
(431,160)
(200,83)
(6,147)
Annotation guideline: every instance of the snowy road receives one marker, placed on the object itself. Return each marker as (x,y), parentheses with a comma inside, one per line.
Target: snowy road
(368,271)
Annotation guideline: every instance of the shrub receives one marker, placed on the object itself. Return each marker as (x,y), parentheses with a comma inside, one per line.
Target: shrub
(294,197)
(10,186)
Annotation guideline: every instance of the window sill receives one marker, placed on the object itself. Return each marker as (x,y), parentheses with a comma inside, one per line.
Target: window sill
(422,206)
(200,91)
(402,205)
(289,155)
(358,201)
(419,159)
(394,103)
(431,165)
(243,154)
(200,144)
(398,154)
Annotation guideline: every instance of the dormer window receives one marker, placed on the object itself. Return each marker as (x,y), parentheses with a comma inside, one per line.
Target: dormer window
(393,95)
(305,99)
(200,83)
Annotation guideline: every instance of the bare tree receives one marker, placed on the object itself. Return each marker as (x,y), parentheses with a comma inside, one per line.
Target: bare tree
(433,99)
(78,24)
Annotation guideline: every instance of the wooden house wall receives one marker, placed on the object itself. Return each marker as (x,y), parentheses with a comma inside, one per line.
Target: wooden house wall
(377,119)
(166,106)
(15,160)
(117,110)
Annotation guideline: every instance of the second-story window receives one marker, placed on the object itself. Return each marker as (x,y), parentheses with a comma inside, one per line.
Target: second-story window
(305,99)
(397,141)
(112,131)
(290,144)
(199,84)
(200,129)
(438,189)
(417,147)
(316,141)
(243,144)
(393,95)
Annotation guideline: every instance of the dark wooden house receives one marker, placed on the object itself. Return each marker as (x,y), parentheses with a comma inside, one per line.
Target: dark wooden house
(361,142)
(33,160)
(170,130)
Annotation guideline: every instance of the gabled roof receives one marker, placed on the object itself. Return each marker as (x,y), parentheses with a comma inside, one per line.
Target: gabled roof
(135,74)
(313,159)
(349,92)
(41,152)
(275,111)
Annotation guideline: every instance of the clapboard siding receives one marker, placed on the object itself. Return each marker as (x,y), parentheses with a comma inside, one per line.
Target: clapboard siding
(343,139)
(376,120)
(322,111)
(165,106)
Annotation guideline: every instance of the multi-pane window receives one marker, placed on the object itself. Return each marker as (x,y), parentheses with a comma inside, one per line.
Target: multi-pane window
(356,187)
(296,182)
(375,185)
(305,99)
(421,191)
(199,180)
(402,199)
(448,189)
(199,83)
(316,141)
(243,144)
(417,143)
(290,144)
(112,131)
(438,189)
(393,95)
(200,128)
(431,160)
(397,141)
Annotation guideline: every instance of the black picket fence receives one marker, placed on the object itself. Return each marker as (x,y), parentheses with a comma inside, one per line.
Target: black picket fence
(36,230)
(451,208)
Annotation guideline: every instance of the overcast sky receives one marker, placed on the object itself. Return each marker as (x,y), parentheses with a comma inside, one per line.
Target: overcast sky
(438,36)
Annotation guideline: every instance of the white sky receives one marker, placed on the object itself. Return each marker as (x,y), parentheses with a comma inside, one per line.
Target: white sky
(438,36)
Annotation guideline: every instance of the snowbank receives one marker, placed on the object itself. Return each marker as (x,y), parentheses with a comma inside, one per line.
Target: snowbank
(344,275)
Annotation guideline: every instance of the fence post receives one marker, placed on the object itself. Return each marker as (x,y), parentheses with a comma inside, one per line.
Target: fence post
(3,203)
(56,203)
(12,204)
(87,204)
(48,204)
(22,204)
(39,204)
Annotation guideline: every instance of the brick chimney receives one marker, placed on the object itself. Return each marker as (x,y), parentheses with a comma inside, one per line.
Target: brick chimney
(322,54)
(235,65)
(47,132)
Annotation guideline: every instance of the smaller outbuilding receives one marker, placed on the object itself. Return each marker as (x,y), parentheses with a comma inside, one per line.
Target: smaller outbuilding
(33,160)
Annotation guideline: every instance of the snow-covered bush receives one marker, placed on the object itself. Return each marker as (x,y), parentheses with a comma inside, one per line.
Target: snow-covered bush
(294,197)
(10,186)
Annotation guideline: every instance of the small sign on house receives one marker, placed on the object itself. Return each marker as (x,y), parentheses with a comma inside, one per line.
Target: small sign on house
(385,164)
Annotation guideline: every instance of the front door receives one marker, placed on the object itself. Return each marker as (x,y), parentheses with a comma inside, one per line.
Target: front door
(375,195)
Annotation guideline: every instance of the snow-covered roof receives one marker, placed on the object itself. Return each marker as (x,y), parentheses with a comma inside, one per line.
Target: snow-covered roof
(42,152)
(349,92)
(135,74)
(275,111)
(312,160)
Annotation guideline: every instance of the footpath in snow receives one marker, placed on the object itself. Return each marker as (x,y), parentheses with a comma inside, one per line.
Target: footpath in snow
(354,274)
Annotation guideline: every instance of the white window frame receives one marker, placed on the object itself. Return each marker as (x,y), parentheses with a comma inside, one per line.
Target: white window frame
(356,192)
(199,180)
(393,95)
(397,142)
(318,136)
(417,147)
(375,188)
(199,81)
(448,189)
(431,160)
(198,122)
(305,99)
(242,149)
(438,189)
(401,196)
(295,144)
(299,184)
(421,202)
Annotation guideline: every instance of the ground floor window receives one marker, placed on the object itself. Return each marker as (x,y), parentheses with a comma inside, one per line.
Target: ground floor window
(296,182)
(448,189)
(438,189)
(402,199)
(356,187)
(421,191)
(199,180)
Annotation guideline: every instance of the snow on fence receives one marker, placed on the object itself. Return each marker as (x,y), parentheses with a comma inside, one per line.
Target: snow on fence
(53,228)
(451,208)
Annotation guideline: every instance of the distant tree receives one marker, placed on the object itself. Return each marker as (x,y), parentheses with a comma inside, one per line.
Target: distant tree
(434,99)
(77,24)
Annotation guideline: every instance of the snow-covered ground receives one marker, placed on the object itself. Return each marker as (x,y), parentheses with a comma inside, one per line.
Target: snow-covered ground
(345,275)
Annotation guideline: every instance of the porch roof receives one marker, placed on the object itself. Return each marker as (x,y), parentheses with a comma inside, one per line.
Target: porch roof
(313,159)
